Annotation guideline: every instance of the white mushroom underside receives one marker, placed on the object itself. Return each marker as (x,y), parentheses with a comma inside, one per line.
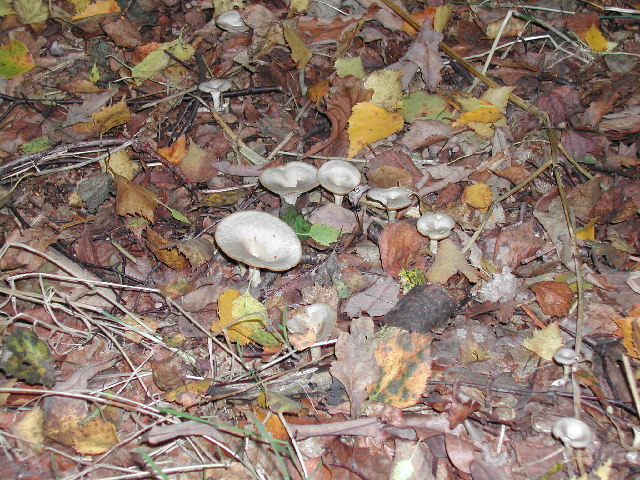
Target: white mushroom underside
(289,178)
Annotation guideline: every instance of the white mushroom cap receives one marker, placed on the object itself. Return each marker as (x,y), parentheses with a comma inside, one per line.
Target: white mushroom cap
(321,317)
(290,180)
(435,225)
(215,85)
(565,356)
(339,177)
(392,199)
(232,21)
(259,240)
(572,432)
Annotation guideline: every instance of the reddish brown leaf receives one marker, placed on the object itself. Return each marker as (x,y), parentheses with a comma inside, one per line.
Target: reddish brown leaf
(399,244)
(554,298)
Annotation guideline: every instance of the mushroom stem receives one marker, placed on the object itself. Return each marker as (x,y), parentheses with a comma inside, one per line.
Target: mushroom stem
(254,276)
(433,246)
(337,199)
(391,215)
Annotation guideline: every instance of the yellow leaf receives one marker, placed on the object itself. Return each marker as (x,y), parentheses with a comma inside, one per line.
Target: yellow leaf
(300,53)
(630,327)
(544,342)
(15,59)
(387,89)
(120,163)
(349,66)
(169,256)
(31,11)
(440,20)
(157,60)
(595,39)
(369,123)
(299,6)
(109,117)
(478,196)
(588,232)
(30,429)
(95,437)
(239,314)
(484,114)
(101,7)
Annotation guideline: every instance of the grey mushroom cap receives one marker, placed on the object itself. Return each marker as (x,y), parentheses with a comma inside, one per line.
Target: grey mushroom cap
(435,225)
(232,21)
(215,85)
(566,356)
(572,432)
(338,176)
(290,179)
(259,239)
(394,198)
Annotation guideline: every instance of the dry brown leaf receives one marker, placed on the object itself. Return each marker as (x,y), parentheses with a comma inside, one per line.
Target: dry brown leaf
(171,257)
(630,326)
(554,298)
(133,199)
(356,366)
(449,261)
(400,244)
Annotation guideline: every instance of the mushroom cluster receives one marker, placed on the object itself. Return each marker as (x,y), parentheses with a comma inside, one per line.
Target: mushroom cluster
(258,240)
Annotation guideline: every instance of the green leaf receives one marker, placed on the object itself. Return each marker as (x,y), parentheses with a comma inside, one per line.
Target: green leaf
(15,59)
(36,145)
(423,105)
(296,221)
(179,216)
(27,357)
(158,60)
(31,11)
(324,234)
(6,8)
(94,76)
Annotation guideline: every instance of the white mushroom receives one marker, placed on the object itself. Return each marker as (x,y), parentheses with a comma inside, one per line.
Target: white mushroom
(258,240)
(232,21)
(572,432)
(339,177)
(215,87)
(290,180)
(392,199)
(436,226)
(320,317)
(567,357)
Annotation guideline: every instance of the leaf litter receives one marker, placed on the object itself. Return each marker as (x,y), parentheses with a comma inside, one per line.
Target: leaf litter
(132,347)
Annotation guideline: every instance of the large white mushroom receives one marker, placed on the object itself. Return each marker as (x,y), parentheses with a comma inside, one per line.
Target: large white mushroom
(391,199)
(290,180)
(339,177)
(258,240)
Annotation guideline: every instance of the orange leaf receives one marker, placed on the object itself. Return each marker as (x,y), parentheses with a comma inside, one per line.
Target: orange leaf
(132,199)
(176,151)
(101,7)
(369,123)
(169,256)
(630,329)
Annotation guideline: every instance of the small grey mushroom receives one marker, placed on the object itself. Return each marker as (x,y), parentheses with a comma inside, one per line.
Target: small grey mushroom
(436,226)
(339,177)
(392,199)
(215,87)
(232,21)
(567,357)
(572,432)
(290,180)
(258,240)
(320,317)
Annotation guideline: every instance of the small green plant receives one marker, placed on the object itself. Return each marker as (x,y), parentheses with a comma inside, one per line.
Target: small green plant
(411,278)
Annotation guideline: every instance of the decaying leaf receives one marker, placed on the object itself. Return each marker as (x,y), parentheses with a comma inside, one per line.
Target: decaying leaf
(400,244)
(27,357)
(630,327)
(171,257)
(356,367)
(15,59)
(449,261)
(554,298)
(133,199)
(405,366)
(544,342)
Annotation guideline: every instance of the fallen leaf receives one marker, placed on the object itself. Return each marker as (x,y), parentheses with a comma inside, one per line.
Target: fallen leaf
(478,196)
(348,66)
(554,298)
(369,123)
(157,60)
(376,301)
(300,53)
(15,59)
(176,151)
(95,437)
(133,199)
(31,11)
(449,261)
(100,7)
(595,39)
(544,342)
(26,357)
(400,244)
(387,89)
(356,366)
(29,431)
(405,367)
(630,326)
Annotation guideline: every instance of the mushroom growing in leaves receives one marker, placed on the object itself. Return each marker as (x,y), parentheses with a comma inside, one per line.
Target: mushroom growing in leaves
(567,357)
(290,180)
(232,21)
(436,226)
(319,317)
(215,87)
(572,432)
(258,240)
(392,199)
(339,177)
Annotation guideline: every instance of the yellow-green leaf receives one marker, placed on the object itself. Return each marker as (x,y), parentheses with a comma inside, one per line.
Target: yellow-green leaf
(31,11)
(15,59)
(369,123)
(158,60)
(300,53)
(544,342)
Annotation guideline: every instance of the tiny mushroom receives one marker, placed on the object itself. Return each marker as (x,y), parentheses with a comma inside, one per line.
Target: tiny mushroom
(215,87)
(392,199)
(320,317)
(572,432)
(567,357)
(436,226)
(258,240)
(339,177)
(232,21)
(290,180)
